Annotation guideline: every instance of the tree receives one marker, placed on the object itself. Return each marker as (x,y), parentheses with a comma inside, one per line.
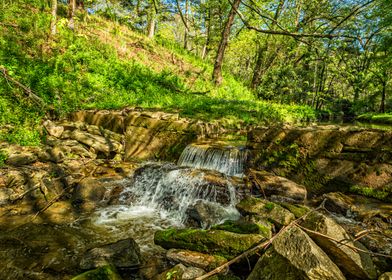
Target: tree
(54,18)
(71,13)
(217,72)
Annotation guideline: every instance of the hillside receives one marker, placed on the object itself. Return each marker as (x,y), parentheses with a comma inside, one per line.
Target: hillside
(105,65)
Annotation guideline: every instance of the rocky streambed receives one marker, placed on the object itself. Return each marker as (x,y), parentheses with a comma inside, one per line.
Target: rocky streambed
(90,204)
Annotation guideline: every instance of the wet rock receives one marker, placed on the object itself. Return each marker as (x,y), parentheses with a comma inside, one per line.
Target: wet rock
(122,254)
(294,256)
(206,214)
(53,129)
(266,209)
(102,273)
(195,259)
(386,276)
(355,264)
(215,242)
(279,186)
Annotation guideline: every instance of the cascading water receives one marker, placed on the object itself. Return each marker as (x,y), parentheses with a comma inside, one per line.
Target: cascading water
(225,159)
(160,195)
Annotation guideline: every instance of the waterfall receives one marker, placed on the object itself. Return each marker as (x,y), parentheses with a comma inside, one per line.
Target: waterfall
(225,159)
(165,192)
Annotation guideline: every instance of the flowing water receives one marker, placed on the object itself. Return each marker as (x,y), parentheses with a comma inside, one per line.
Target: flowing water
(225,159)
(158,196)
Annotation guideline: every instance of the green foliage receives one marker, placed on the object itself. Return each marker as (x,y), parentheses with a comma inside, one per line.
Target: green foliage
(76,71)
(376,118)
(3,158)
(384,194)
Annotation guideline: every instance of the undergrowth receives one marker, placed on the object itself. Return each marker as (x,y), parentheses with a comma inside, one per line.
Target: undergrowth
(111,69)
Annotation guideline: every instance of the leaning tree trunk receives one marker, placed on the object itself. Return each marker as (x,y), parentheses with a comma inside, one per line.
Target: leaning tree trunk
(217,73)
(54,18)
(71,13)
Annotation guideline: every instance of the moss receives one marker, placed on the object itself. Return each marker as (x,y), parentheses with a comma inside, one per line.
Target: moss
(269,206)
(239,227)
(214,242)
(297,209)
(102,273)
(384,194)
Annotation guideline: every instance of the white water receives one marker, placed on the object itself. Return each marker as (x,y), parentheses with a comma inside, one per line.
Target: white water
(225,159)
(158,196)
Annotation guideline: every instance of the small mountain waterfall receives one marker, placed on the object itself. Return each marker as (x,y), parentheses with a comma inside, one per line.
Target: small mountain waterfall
(225,159)
(161,195)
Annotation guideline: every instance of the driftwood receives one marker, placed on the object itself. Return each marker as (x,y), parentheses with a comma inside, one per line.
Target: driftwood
(29,93)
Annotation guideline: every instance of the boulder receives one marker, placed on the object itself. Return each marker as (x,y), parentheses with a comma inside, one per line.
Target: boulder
(294,256)
(195,259)
(355,264)
(266,209)
(53,129)
(273,185)
(102,273)
(122,254)
(386,276)
(215,242)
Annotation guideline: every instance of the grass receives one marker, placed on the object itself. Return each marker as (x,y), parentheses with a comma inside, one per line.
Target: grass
(104,65)
(385,118)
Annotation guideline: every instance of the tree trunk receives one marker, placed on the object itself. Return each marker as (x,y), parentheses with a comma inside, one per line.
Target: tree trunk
(186,29)
(54,18)
(383,96)
(71,13)
(151,20)
(208,34)
(217,73)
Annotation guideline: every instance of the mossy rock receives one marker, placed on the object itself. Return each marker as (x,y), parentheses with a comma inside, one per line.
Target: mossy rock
(265,209)
(247,225)
(102,273)
(297,209)
(214,242)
